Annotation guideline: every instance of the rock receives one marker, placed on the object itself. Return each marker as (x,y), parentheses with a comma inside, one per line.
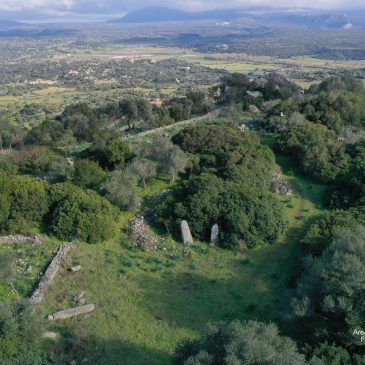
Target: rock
(75,268)
(51,272)
(254,109)
(50,317)
(186,236)
(279,184)
(73,362)
(72,312)
(214,235)
(254,94)
(80,298)
(50,335)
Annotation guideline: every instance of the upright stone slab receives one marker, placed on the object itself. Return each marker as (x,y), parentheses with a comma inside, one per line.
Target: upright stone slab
(186,236)
(214,235)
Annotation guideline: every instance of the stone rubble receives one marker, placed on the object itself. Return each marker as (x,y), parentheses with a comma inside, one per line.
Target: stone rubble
(279,184)
(51,272)
(140,233)
(19,238)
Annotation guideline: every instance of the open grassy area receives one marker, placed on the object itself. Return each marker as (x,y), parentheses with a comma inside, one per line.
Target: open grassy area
(148,301)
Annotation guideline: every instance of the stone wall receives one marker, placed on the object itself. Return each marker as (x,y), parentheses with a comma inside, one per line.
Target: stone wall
(19,238)
(51,272)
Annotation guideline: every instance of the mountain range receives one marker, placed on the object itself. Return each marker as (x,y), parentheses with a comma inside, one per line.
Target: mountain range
(297,17)
(8,23)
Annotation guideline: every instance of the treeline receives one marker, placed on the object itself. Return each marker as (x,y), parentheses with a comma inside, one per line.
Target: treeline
(323,131)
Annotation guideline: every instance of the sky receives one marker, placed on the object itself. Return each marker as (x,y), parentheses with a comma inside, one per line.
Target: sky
(109,9)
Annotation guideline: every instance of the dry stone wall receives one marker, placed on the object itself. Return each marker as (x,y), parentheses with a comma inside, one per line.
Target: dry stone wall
(19,239)
(51,273)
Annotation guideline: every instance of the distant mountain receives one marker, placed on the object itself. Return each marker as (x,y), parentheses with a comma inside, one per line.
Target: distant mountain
(259,16)
(162,14)
(317,20)
(9,23)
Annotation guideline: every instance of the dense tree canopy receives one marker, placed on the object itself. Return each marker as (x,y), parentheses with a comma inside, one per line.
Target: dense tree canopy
(229,153)
(247,217)
(249,343)
(330,292)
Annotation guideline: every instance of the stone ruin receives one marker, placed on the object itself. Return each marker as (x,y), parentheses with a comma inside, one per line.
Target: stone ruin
(22,239)
(214,235)
(51,272)
(140,232)
(186,235)
(279,184)
(71,312)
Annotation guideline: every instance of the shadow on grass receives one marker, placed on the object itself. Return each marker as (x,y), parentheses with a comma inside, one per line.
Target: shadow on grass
(190,300)
(90,350)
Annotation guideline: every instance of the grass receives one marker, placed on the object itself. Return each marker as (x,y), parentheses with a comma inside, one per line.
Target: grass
(32,260)
(146,302)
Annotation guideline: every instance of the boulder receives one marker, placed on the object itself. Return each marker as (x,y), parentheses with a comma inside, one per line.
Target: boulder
(80,298)
(186,235)
(71,312)
(214,235)
(254,109)
(50,335)
(75,268)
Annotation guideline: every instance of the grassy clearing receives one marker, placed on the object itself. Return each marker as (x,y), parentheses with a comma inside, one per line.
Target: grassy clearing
(148,301)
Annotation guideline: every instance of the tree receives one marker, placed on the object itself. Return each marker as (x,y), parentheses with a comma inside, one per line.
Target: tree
(330,354)
(129,108)
(143,168)
(249,343)
(113,153)
(169,158)
(330,291)
(121,190)
(245,216)
(88,174)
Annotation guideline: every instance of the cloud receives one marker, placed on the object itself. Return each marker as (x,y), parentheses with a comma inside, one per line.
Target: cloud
(44,8)
(35,5)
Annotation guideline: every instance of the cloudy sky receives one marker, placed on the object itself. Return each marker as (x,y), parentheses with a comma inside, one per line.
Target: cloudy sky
(105,9)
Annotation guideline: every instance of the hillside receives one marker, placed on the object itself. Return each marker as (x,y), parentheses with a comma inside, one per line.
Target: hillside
(8,23)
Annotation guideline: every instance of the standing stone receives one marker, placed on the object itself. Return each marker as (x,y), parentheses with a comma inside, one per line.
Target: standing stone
(186,236)
(214,235)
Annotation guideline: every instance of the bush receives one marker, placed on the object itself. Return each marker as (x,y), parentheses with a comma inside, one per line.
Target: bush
(88,174)
(80,214)
(20,330)
(248,343)
(22,200)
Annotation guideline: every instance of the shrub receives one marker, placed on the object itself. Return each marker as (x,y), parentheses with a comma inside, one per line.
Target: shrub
(80,214)
(88,174)
(248,343)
